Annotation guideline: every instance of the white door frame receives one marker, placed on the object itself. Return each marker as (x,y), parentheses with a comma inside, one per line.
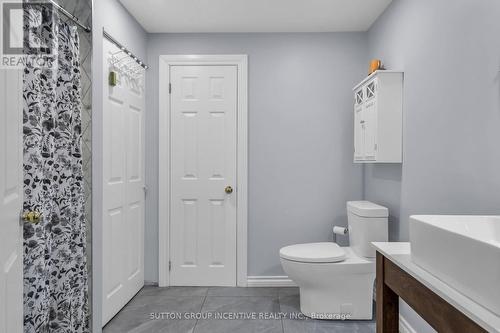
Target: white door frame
(241,62)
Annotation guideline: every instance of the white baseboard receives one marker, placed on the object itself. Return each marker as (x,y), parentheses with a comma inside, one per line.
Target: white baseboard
(404,326)
(270,281)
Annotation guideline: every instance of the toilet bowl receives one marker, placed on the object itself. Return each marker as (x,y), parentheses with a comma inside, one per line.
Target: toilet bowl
(333,290)
(337,282)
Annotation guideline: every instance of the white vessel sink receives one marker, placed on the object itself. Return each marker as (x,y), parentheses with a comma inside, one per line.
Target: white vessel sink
(462,251)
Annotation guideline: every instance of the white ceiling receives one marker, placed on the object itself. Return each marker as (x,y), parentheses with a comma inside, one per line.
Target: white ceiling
(255,15)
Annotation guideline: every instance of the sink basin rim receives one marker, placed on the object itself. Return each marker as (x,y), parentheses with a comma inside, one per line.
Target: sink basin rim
(436,221)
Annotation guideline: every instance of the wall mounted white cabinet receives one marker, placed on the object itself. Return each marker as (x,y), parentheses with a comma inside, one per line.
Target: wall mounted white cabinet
(378,118)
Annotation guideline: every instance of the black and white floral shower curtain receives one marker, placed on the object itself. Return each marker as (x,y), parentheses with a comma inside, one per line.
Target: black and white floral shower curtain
(55,275)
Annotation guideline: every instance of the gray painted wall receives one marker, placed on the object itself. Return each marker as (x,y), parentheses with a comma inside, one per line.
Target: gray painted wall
(112,16)
(300,135)
(300,164)
(450,53)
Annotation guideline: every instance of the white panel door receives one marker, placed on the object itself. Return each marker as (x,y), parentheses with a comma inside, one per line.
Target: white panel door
(203,164)
(123,189)
(11,197)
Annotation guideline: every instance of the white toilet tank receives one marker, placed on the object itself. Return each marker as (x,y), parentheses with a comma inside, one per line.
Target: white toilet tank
(368,222)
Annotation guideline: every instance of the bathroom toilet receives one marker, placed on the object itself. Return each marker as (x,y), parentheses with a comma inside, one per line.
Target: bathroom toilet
(337,282)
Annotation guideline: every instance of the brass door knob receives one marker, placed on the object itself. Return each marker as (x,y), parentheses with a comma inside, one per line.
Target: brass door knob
(32,217)
(228,189)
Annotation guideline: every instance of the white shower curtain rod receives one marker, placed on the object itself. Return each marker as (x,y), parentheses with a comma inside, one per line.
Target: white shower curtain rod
(124,49)
(72,17)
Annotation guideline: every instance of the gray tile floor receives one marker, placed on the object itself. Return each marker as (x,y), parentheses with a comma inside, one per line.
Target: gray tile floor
(175,310)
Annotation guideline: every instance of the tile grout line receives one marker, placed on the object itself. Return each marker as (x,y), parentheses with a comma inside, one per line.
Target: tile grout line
(201,307)
(279,309)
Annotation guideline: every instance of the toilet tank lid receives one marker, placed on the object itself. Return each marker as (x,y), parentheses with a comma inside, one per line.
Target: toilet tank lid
(367,209)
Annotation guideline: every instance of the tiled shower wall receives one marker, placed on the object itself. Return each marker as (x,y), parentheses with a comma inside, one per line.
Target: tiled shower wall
(82,9)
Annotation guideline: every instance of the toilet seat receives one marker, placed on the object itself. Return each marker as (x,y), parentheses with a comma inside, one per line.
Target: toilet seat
(326,252)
